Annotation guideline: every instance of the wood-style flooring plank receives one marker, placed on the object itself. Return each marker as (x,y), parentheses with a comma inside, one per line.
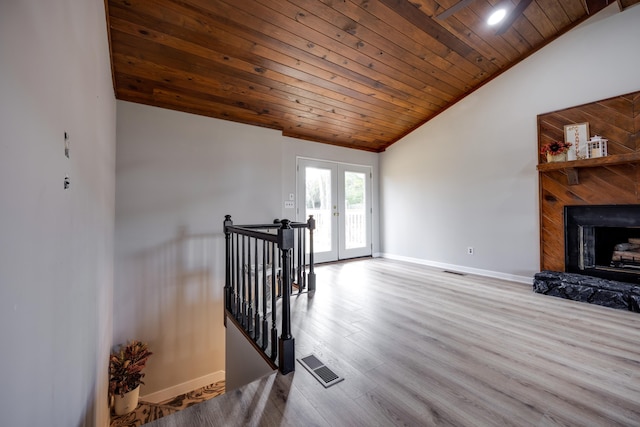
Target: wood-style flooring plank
(418,346)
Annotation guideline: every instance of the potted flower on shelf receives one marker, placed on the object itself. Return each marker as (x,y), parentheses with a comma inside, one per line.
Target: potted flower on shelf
(556,151)
(125,375)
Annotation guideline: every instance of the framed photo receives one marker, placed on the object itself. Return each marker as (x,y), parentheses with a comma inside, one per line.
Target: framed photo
(578,135)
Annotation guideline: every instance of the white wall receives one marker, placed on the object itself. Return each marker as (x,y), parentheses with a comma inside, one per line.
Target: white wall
(468,177)
(56,250)
(177,176)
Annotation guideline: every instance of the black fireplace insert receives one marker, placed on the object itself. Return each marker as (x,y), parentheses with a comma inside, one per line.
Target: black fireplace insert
(603,241)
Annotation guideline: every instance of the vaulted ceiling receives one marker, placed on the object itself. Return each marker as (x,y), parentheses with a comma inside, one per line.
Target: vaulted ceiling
(353,73)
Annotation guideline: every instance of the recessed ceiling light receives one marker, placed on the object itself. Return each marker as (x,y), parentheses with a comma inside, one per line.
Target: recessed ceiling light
(497,16)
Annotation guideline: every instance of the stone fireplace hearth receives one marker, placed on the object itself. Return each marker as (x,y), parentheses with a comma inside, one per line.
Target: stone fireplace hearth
(594,290)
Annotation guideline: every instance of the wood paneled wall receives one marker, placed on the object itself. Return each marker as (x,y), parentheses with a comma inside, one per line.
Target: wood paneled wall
(618,120)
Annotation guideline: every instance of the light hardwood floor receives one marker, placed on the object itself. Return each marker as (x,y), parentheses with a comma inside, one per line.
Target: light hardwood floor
(420,347)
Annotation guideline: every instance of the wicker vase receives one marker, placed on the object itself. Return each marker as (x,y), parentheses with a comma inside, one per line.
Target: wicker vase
(562,157)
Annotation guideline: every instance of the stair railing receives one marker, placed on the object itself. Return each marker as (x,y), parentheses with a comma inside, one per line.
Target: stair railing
(264,262)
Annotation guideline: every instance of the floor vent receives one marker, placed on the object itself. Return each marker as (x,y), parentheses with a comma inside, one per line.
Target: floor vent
(454,272)
(323,374)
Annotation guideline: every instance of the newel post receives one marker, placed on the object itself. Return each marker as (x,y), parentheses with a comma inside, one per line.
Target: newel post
(286,353)
(227,280)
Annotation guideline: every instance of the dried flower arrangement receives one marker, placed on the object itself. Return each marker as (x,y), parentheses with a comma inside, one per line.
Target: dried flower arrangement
(556,147)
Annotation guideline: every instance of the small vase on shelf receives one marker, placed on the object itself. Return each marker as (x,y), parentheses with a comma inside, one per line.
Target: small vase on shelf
(562,157)
(556,151)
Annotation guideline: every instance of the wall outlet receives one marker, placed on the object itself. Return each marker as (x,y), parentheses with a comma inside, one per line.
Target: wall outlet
(289,204)
(470,250)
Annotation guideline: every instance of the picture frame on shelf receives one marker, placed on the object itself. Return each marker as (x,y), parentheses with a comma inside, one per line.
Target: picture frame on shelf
(578,135)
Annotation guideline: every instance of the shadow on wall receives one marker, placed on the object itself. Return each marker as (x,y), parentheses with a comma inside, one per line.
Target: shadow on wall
(173,299)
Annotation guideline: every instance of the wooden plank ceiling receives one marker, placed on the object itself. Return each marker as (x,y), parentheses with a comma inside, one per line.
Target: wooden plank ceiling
(353,73)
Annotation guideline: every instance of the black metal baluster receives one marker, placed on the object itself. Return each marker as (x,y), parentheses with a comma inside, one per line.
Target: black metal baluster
(292,255)
(265,325)
(227,276)
(238,296)
(234,292)
(243,319)
(249,319)
(299,265)
(256,271)
(274,296)
(303,245)
(311,224)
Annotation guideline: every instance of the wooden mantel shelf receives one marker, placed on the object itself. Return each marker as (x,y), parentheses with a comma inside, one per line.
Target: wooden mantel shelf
(616,159)
(572,167)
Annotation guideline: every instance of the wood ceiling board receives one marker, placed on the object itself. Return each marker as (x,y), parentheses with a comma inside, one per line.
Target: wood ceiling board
(354,73)
(627,3)
(411,44)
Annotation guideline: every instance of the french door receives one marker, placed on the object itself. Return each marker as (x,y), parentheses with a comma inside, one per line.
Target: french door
(338,195)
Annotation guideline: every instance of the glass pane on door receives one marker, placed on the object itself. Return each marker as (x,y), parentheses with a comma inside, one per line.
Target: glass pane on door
(355,215)
(318,203)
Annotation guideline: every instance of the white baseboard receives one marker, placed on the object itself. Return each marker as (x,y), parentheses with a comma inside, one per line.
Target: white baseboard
(462,269)
(178,389)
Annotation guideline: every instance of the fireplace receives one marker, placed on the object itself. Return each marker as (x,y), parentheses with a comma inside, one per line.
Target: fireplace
(603,241)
